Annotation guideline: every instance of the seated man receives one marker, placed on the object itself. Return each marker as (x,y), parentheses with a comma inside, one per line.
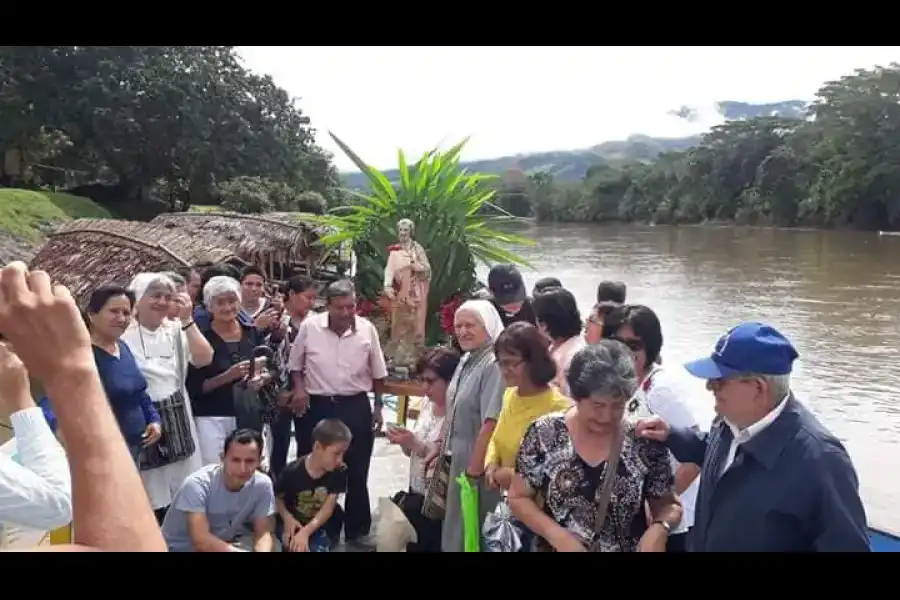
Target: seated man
(308,488)
(227,507)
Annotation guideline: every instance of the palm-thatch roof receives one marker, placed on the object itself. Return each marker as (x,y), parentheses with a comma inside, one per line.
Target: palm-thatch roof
(89,252)
(280,244)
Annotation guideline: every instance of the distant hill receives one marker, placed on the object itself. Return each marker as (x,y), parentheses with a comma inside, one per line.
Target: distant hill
(572,165)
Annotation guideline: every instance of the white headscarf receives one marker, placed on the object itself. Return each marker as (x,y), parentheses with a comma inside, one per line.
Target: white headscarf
(486,313)
(142,281)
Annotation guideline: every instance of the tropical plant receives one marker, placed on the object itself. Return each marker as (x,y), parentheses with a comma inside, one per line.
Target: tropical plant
(451,209)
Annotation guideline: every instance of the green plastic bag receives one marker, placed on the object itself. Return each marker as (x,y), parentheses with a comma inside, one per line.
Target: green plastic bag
(468,495)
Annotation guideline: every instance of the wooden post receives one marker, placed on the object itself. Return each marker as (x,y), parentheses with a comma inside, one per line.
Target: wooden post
(402,408)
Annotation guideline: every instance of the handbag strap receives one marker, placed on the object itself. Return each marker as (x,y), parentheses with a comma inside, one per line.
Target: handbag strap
(609,477)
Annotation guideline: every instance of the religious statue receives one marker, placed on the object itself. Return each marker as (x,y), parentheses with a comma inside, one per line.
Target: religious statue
(407,277)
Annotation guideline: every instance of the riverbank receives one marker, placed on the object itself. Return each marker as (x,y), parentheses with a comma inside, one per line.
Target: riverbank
(28,216)
(706,224)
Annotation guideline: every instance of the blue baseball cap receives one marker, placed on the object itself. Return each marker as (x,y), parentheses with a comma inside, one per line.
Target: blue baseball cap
(748,348)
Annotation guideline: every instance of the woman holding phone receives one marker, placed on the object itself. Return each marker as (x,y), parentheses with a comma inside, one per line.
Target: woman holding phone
(435,369)
(211,387)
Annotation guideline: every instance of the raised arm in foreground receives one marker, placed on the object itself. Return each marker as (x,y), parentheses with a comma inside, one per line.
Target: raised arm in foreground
(42,323)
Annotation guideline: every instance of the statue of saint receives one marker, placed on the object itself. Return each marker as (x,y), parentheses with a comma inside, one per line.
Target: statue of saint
(406,281)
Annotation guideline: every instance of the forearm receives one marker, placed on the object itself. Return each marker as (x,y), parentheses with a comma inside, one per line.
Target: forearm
(285,514)
(667,509)
(214,383)
(319,520)
(198,346)
(111,509)
(685,474)
(263,542)
(210,543)
(527,511)
(476,461)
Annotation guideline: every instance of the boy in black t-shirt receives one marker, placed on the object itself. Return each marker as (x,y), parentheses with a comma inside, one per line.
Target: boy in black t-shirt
(307,490)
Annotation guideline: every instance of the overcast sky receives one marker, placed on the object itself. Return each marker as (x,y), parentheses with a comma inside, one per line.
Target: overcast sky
(514,100)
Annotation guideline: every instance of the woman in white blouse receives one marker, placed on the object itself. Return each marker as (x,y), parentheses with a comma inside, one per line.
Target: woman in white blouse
(421,443)
(163,348)
(35,484)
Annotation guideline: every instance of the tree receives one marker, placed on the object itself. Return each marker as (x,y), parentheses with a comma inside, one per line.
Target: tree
(838,167)
(175,118)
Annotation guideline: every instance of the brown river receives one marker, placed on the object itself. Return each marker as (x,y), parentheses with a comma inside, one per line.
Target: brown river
(835,294)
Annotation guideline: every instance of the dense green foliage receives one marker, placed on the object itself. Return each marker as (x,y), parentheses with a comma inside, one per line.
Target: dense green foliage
(136,124)
(840,166)
(446,204)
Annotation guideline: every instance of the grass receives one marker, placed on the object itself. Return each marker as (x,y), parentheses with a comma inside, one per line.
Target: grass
(22,210)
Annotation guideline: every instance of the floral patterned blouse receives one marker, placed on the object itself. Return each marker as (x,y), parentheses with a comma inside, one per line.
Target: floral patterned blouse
(568,485)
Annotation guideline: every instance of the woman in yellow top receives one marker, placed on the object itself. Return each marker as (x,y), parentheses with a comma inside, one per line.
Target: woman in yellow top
(523,356)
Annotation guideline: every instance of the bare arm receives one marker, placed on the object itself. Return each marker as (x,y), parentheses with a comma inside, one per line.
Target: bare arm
(263,540)
(201,537)
(685,475)
(44,327)
(199,349)
(218,381)
(522,504)
(322,516)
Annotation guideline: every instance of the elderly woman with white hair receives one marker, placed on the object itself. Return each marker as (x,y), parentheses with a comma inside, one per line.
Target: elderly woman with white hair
(211,387)
(163,348)
(474,400)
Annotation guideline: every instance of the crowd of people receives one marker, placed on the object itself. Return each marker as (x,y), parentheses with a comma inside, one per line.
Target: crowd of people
(573,433)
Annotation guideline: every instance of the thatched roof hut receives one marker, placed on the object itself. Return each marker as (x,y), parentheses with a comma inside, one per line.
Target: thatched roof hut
(86,253)
(280,244)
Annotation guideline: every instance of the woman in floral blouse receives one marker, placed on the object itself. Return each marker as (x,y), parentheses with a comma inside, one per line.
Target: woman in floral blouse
(562,461)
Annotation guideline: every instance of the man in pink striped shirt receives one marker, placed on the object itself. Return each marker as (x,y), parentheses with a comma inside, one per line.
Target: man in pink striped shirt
(335,361)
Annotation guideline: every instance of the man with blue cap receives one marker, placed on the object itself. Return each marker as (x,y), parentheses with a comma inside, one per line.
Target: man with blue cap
(774,479)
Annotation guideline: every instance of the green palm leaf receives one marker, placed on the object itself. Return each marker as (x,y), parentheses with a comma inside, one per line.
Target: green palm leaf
(446,202)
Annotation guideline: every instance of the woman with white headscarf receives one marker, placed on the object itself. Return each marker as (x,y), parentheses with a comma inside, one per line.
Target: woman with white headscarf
(211,386)
(163,349)
(474,400)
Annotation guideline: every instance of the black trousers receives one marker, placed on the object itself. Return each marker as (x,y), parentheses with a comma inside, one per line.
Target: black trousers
(281,440)
(356,413)
(428,531)
(677,542)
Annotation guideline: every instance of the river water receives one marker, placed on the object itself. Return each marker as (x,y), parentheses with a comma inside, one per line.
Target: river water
(835,294)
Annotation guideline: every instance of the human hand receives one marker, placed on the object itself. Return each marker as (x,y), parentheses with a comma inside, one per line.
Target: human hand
(43,325)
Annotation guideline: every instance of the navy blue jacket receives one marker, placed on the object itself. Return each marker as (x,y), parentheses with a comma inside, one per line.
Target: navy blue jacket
(791,488)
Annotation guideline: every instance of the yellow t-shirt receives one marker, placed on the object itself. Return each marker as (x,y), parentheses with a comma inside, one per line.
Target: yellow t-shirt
(516,415)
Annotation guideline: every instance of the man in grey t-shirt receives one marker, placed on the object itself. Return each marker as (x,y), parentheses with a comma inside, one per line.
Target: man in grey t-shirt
(227,507)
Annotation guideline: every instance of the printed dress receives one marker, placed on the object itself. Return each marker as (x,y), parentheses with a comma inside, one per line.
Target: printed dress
(548,462)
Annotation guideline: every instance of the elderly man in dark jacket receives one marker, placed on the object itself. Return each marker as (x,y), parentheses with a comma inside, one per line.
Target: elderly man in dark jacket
(774,479)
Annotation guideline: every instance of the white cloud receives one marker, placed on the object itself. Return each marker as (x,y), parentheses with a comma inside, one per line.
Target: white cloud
(525,99)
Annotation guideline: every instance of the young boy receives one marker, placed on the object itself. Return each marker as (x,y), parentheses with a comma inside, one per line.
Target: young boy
(307,490)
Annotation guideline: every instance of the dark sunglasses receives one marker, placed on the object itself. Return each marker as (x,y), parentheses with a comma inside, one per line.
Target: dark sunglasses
(633,345)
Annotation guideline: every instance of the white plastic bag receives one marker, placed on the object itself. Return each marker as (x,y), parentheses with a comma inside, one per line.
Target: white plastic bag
(393,531)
